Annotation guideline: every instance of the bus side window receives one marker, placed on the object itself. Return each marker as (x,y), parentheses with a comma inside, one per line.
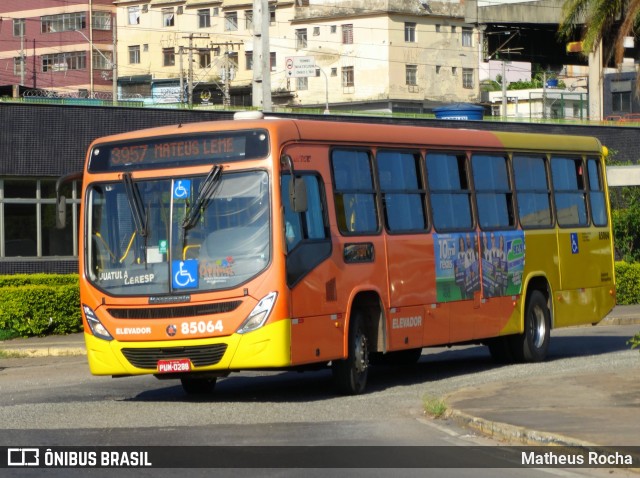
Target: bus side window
(532,190)
(596,193)
(354,192)
(569,191)
(307,225)
(493,192)
(449,191)
(402,190)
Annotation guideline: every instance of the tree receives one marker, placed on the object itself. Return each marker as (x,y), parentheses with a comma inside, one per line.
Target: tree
(600,19)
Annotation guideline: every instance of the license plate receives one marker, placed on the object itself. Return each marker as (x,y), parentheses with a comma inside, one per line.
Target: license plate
(174,366)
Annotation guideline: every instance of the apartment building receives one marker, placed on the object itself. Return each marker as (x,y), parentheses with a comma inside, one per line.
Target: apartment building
(64,47)
(382,55)
(387,55)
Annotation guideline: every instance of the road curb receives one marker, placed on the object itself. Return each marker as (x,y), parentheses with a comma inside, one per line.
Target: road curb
(22,352)
(512,433)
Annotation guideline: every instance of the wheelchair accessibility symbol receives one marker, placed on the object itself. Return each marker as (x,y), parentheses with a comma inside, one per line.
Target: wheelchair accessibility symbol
(184,274)
(181,189)
(574,243)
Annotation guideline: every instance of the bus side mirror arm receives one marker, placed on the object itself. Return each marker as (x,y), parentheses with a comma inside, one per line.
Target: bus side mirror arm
(297,187)
(61,201)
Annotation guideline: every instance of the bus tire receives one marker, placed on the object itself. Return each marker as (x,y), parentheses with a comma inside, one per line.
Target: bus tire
(199,385)
(533,343)
(350,374)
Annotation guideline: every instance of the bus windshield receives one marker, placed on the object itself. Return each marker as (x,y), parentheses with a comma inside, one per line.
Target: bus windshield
(178,235)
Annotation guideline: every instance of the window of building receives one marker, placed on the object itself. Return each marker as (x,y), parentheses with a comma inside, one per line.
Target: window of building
(18,66)
(168,57)
(316,31)
(348,79)
(347,34)
(168,18)
(438,28)
(302,83)
(301,38)
(204,18)
(454,70)
(467,36)
(410,32)
(467,78)
(402,190)
(333,29)
(568,179)
(248,59)
(438,68)
(532,189)
(354,193)
(19,27)
(133,15)
(63,22)
(134,54)
(73,60)
(27,207)
(204,58)
(272,15)
(621,101)
(334,72)
(273,61)
(449,191)
(101,20)
(102,59)
(231,21)
(494,196)
(411,75)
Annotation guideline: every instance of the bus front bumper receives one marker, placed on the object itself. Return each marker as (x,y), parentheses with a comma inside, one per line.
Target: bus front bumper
(267,347)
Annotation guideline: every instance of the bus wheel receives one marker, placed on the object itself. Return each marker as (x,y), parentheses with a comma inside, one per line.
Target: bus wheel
(198,386)
(532,345)
(350,374)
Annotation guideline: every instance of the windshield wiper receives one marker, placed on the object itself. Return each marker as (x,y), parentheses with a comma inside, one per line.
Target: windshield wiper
(207,188)
(136,204)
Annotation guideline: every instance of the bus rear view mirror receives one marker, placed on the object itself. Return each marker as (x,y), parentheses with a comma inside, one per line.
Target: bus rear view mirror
(61,212)
(298,194)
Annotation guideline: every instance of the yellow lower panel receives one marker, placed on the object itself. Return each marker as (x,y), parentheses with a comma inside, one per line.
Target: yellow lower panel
(582,306)
(267,347)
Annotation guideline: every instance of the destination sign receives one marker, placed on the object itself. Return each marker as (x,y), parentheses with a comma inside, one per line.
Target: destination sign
(154,153)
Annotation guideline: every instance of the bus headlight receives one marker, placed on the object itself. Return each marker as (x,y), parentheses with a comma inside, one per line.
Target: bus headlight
(95,325)
(259,314)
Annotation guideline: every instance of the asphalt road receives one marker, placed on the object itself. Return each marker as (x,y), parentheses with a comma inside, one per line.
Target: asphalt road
(54,401)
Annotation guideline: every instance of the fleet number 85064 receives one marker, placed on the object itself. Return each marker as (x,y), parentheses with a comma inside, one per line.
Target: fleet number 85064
(201,327)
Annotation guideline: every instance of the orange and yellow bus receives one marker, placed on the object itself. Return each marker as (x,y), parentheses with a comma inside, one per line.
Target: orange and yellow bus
(267,243)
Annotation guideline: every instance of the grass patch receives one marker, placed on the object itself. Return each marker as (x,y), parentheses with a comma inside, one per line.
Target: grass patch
(8,334)
(434,406)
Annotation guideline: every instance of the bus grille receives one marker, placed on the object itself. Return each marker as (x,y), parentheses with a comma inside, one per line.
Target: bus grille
(175,312)
(200,356)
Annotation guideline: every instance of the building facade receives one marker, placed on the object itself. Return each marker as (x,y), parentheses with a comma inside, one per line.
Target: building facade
(65,47)
(383,55)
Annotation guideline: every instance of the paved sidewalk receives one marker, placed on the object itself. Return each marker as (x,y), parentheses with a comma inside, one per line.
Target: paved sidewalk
(586,409)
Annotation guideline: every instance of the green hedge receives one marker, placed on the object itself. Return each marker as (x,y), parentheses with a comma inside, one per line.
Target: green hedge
(40,304)
(627,283)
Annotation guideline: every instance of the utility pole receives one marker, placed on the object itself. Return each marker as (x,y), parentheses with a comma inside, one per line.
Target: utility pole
(261,91)
(190,69)
(226,91)
(114,62)
(180,51)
